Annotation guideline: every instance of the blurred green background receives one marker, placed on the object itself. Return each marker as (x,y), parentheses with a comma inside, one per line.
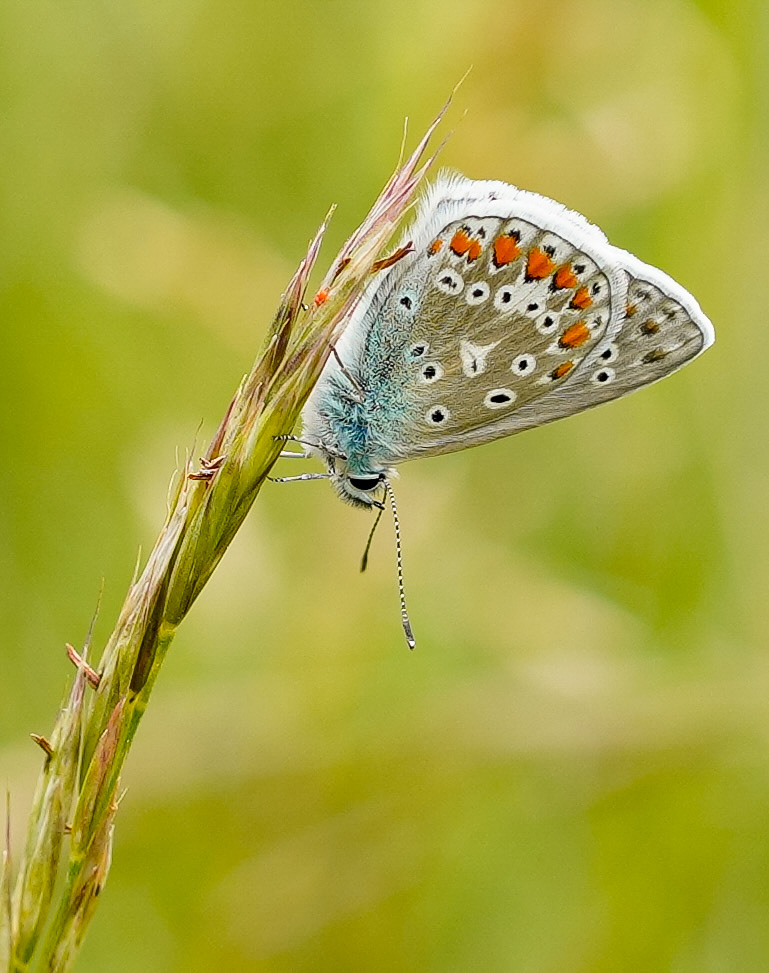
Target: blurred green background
(571,772)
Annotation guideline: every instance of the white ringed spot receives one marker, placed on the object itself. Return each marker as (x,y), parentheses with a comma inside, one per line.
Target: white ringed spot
(477,293)
(532,308)
(499,398)
(407,300)
(603,376)
(547,324)
(419,349)
(504,298)
(437,415)
(449,281)
(523,364)
(609,353)
(430,372)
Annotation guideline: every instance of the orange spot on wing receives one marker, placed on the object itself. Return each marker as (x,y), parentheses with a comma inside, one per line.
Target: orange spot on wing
(563,369)
(575,335)
(475,250)
(460,243)
(630,310)
(320,298)
(564,277)
(538,264)
(434,247)
(506,249)
(581,299)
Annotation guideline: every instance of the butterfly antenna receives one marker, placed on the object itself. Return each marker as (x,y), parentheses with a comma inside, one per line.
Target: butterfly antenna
(364,559)
(404,611)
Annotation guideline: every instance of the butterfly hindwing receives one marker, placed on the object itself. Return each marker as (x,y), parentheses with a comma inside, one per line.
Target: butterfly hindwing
(661,329)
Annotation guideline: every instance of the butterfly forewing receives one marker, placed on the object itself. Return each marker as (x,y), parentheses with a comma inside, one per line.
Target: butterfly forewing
(508,311)
(504,313)
(531,307)
(662,328)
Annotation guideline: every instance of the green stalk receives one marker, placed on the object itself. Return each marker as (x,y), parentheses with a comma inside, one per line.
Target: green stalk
(45,911)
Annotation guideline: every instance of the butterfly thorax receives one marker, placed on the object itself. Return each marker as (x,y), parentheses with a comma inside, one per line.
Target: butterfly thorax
(357,415)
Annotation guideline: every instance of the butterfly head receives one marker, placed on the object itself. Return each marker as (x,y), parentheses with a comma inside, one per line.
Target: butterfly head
(361,488)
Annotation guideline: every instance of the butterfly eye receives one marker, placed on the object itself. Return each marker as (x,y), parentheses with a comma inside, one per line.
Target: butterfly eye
(364,482)
(523,364)
(418,350)
(478,293)
(609,353)
(603,376)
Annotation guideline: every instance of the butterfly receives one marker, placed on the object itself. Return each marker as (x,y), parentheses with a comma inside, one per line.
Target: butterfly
(508,311)
(505,311)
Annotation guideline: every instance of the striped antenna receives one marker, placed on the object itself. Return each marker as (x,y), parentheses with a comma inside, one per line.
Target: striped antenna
(404,611)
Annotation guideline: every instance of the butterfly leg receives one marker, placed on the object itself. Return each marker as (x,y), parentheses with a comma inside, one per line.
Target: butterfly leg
(303,442)
(356,386)
(295,479)
(288,438)
(289,454)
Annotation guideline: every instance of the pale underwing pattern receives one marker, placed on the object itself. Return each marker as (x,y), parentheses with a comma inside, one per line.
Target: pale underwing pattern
(508,311)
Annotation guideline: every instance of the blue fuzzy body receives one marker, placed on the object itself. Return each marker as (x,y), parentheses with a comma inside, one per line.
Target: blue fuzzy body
(368,425)
(368,432)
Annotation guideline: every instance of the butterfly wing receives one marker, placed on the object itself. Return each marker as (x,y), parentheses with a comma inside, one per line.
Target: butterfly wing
(661,329)
(510,312)
(506,312)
